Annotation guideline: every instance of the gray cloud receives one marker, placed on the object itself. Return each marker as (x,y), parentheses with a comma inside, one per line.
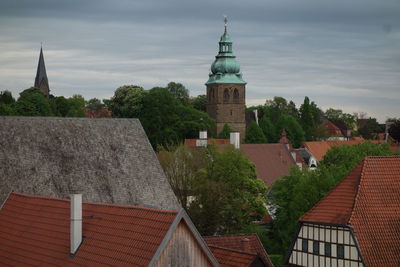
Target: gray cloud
(339,53)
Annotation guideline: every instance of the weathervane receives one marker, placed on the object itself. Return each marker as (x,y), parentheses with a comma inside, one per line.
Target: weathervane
(226,21)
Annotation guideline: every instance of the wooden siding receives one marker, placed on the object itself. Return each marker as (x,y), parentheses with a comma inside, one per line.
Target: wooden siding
(323,234)
(183,250)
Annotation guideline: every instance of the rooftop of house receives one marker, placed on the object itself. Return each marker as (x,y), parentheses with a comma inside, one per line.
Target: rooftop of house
(107,160)
(36,230)
(368,200)
(332,129)
(249,243)
(319,148)
(233,258)
(272,161)
(217,141)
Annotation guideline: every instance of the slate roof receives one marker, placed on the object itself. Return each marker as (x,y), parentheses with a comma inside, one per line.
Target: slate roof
(249,243)
(319,148)
(35,230)
(107,160)
(272,161)
(232,258)
(367,199)
(41,76)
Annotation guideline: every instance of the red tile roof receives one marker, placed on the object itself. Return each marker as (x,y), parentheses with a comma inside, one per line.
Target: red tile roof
(332,129)
(368,199)
(319,148)
(192,142)
(35,230)
(232,258)
(249,243)
(272,160)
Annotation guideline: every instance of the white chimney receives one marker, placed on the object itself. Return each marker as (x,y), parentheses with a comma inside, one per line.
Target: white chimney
(203,135)
(256,115)
(76,222)
(235,139)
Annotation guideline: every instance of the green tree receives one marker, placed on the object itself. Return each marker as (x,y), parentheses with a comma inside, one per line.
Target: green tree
(94,104)
(337,114)
(127,101)
(254,134)
(200,103)
(181,165)
(225,133)
(32,102)
(167,121)
(60,106)
(369,130)
(179,92)
(228,195)
(307,120)
(293,129)
(299,191)
(268,129)
(6,97)
(7,110)
(76,106)
(276,108)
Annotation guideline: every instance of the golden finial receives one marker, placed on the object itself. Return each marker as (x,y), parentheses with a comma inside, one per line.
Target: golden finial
(225,21)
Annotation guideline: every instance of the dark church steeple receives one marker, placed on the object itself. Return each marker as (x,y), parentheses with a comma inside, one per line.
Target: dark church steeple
(41,80)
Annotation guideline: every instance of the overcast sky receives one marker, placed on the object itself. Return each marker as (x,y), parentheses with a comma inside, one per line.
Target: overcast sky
(342,54)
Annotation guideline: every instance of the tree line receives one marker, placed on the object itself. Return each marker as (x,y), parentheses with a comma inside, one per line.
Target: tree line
(169,115)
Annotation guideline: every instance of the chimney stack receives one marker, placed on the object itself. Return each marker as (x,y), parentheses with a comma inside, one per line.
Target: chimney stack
(76,222)
(203,135)
(235,139)
(256,115)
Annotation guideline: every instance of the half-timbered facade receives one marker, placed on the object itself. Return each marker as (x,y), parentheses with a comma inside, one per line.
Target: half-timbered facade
(325,245)
(357,223)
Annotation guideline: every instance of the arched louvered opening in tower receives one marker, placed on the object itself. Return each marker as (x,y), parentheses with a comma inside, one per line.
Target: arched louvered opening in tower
(226,96)
(236,96)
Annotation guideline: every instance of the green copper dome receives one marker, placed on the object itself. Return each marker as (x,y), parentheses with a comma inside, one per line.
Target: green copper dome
(225,69)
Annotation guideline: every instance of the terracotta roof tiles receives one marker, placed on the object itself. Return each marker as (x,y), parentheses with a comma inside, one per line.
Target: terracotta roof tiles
(272,160)
(36,230)
(319,148)
(192,142)
(232,258)
(249,243)
(368,199)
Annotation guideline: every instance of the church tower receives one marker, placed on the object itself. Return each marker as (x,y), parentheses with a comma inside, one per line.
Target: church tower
(41,80)
(226,89)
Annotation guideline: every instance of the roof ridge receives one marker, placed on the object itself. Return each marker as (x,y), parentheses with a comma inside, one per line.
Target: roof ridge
(111,205)
(364,162)
(234,250)
(330,192)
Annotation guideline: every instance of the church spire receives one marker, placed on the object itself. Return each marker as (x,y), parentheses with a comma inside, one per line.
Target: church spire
(41,80)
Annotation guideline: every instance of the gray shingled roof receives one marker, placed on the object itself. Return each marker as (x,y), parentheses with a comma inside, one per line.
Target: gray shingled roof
(107,160)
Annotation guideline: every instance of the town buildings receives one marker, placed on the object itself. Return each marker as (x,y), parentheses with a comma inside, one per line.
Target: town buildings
(356,223)
(46,231)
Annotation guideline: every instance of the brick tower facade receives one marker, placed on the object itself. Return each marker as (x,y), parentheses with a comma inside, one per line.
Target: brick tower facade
(226,90)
